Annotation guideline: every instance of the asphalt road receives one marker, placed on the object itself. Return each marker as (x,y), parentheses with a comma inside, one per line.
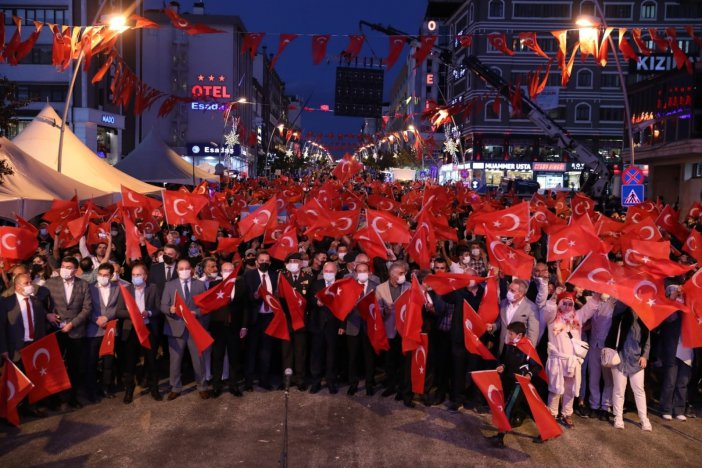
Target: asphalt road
(324,430)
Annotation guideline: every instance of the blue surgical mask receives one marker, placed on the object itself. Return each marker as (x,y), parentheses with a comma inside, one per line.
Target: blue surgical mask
(137,280)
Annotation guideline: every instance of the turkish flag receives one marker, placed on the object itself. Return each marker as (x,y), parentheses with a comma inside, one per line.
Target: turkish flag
(596,273)
(545,422)
(295,301)
(319,47)
(445,283)
(693,245)
(369,310)
(132,242)
(643,228)
(510,222)
(44,366)
(278,328)
(346,168)
(355,45)
(14,386)
(529,40)
(107,346)
(582,204)
(17,243)
(138,324)
(97,233)
(694,212)
(473,344)
(692,322)
(181,207)
(202,339)
(526,346)
(625,47)
(341,296)
(408,315)
(419,364)
(24,224)
(371,243)
(645,294)
(205,229)
(652,257)
(397,43)
(62,210)
(216,297)
(570,241)
(133,199)
(228,244)
(499,41)
(390,227)
(420,247)
(425,46)
(184,25)
(490,385)
(285,245)
(251,42)
(510,261)
(341,223)
(489,308)
(283,42)
(379,202)
(668,220)
(472,320)
(255,223)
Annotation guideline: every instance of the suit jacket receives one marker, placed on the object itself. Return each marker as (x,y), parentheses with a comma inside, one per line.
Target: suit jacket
(115,308)
(234,313)
(174,325)
(152,303)
(320,317)
(354,322)
(252,281)
(382,292)
(525,313)
(157,275)
(12,325)
(77,310)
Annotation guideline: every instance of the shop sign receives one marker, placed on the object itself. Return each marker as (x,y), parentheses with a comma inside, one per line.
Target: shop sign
(108,119)
(503,166)
(549,166)
(576,166)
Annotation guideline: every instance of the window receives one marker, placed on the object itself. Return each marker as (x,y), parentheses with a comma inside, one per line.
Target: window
(587,8)
(697,170)
(490,112)
(611,114)
(582,112)
(496,9)
(679,10)
(42,93)
(648,10)
(49,15)
(618,11)
(540,10)
(584,78)
(609,80)
(39,55)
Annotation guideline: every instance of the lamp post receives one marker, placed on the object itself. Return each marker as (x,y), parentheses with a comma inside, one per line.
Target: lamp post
(586,23)
(280,128)
(115,23)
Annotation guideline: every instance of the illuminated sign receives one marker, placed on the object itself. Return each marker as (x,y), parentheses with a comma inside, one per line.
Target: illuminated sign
(210,86)
(656,63)
(431,25)
(208,149)
(108,119)
(208,106)
(501,166)
(430,78)
(549,166)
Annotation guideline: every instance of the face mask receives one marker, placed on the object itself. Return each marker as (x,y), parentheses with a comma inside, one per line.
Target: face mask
(114,233)
(43,231)
(329,277)
(264,266)
(193,238)
(293,267)
(39,281)
(28,290)
(305,263)
(66,273)
(226,273)
(475,252)
(193,253)
(510,296)
(331,252)
(148,235)
(362,277)
(341,255)
(167,259)
(401,280)
(176,241)
(138,281)
(251,261)
(511,342)
(465,260)
(103,280)
(184,274)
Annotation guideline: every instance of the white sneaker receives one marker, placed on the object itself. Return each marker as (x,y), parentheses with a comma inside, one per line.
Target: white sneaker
(646,425)
(618,423)
(681,417)
(667,417)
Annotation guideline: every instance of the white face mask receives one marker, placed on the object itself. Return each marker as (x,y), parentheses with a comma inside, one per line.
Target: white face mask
(66,273)
(401,279)
(103,280)
(475,252)
(292,267)
(341,255)
(362,277)
(305,263)
(511,297)
(465,260)
(226,273)
(39,281)
(28,290)
(329,277)
(184,274)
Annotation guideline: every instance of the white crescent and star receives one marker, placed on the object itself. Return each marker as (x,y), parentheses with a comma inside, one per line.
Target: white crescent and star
(10,390)
(493,389)
(4,240)
(492,249)
(591,275)
(648,229)
(640,285)
(558,251)
(39,352)
(176,210)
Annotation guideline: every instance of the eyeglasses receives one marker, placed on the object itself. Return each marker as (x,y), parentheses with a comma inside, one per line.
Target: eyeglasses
(568,303)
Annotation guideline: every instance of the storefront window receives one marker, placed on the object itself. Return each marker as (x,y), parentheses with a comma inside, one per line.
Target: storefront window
(107,143)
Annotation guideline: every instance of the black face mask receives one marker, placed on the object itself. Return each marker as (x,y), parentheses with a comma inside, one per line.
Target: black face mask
(251,261)
(167,259)
(264,267)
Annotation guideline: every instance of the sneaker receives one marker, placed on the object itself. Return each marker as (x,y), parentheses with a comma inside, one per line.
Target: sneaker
(618,423)
(667,417)
(681,417)
(646,425)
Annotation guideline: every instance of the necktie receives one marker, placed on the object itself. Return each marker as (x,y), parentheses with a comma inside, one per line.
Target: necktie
(168,273)
(294,278)
(186,290)
(264,280)
(30,322)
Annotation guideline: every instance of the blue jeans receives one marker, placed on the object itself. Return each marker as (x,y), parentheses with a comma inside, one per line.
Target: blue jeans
(674,388)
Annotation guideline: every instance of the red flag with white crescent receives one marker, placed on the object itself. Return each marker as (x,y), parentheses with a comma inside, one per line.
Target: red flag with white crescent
(419,364)
(319,47)
(107,346)
(278,327)
(341,296)
(135,316)
(45,368)
(489,308)
(545,422)
(202,339)
(397,43)
(490,385)
(217,297)
(14,386)
(369,310)
(295,301)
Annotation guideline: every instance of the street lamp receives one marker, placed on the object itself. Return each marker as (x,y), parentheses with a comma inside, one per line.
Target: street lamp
(588,29)
(114,23)
(280,128)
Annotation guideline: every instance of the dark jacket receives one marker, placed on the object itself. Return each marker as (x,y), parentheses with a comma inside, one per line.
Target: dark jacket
(12,325)
(626,320)
(233,313)
(152,303)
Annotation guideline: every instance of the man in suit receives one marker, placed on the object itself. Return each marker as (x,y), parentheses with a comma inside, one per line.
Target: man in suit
(108,304)
(178,336)
(357,341)
(516,308)
(225,326)
(72,303)
(22,319)
(295,350)
(387,293)
(324,330)
(161,273)
(148,301)
(259,345)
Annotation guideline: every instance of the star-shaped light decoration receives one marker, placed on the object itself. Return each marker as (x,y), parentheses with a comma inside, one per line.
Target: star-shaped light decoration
(451,146)
(289,152)
(200,77)
(221,78)
(211,78)
(231,139)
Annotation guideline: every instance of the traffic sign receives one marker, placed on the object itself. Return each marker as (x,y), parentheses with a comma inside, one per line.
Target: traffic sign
(632,194)
(632,175)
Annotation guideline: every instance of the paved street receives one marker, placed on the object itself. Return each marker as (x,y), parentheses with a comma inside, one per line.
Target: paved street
(324,431)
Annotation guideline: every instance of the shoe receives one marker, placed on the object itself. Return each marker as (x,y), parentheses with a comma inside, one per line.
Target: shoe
(315,388)
(216,392)
(128,396)
(398,396)
(204,394)
(582,411)
(74,403)
(681,417)
(352,390)
(646,425)
(370,390)
(408,403)
(155,394)
(568,422)
(302,387)
(667,417)
(516,421)
(453,407)
(387,392)
(236,392)
(618,423)
(690,412)
(438,399)
(603,415)
(248,388)
(497,441)
(172,396)
(332,389)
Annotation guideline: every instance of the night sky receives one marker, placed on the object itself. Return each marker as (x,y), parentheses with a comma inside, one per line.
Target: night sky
(295,66)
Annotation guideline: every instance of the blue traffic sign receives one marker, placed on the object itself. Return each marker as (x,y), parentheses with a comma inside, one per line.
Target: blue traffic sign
(632,194)
(632,175)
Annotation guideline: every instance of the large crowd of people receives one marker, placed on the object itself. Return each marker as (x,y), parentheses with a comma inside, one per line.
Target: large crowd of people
(75,291)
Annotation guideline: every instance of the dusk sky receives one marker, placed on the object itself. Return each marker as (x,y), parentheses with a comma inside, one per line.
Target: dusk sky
(295,66)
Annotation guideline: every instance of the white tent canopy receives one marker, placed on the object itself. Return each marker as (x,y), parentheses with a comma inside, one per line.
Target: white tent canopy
(154,161)
(32,187)
(40,139)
